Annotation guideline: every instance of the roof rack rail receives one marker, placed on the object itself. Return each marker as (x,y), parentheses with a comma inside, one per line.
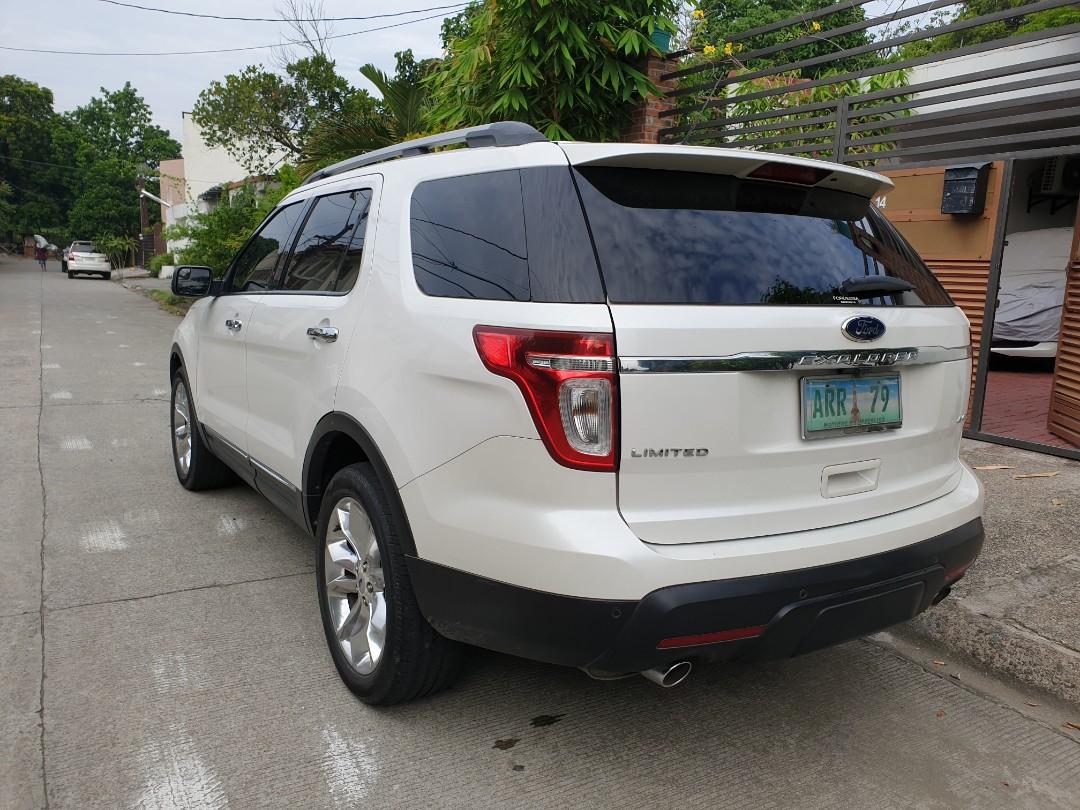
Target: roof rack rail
(501,133)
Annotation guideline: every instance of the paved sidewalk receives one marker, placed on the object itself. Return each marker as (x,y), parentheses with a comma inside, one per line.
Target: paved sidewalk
(1017,611)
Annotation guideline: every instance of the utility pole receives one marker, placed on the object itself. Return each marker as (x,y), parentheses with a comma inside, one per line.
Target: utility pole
(144,221)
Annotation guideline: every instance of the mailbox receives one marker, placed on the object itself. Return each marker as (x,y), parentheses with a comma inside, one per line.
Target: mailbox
(965,189)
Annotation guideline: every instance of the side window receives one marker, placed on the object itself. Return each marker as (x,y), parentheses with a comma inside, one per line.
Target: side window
(253,269)
(516,235)
(468,237)
(330,245)
(350,268)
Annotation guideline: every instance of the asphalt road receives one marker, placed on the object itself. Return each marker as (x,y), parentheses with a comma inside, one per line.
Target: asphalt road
(160,648)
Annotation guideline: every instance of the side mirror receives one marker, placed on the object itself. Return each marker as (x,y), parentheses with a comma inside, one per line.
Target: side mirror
(192,282)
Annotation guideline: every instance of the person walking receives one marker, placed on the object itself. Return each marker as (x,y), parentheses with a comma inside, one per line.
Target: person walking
(42,255)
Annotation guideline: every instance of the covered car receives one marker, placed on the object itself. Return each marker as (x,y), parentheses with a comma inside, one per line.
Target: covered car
(1031,292)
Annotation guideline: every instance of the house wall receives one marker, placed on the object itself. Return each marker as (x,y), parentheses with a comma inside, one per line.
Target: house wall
(205,166)
(1011,55)
(1020,219)
(956,248)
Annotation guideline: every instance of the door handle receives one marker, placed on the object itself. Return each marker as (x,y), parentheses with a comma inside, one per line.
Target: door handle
(326,334)
(233,325)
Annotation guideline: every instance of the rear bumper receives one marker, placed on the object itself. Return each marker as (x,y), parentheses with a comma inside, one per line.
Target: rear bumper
(794,611)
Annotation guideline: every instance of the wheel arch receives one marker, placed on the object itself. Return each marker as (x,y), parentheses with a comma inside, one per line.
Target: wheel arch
(337,441)
(176,361)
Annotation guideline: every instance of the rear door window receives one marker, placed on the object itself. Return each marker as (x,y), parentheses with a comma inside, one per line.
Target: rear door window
(516,235)
(330,245)
(667,237)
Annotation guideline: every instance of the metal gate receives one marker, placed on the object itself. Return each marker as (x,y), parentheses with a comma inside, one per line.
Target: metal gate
(997,101)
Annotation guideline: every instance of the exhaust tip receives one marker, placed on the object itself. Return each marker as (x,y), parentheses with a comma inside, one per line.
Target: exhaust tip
(669,676)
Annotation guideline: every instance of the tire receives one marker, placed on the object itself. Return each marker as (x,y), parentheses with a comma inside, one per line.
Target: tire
(70,274)
(196,467)
(414,660)
(107,276)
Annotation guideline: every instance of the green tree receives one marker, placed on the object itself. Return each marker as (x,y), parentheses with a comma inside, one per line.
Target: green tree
(36,192)
(397,116)
(119,125)
(106,200)
(725,19)
(568,67)
(256,115)
(110,142)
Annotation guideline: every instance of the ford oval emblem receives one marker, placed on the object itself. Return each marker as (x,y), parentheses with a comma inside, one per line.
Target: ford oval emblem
(862,328)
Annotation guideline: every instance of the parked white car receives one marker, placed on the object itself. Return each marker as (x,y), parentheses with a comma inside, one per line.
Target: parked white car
(618,407)
(83,258)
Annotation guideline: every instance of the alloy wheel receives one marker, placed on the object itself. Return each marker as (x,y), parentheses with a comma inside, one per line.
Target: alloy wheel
(181,427)
(355,586)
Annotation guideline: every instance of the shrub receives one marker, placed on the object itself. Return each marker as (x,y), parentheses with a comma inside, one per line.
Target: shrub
(159,261)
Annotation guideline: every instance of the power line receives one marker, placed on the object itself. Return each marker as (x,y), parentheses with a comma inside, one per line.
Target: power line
(38,162)
(279,19)
(213,50)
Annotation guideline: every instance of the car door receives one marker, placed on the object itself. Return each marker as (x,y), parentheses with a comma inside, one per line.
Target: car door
(298,336)
(221,395)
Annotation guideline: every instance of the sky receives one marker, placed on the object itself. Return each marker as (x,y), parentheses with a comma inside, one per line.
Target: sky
(171,84)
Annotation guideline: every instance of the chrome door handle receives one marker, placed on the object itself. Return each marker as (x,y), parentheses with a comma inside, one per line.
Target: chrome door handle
(233,325)
(327,334)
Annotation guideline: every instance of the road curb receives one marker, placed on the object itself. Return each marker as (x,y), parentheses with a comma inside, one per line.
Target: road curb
(1006,648)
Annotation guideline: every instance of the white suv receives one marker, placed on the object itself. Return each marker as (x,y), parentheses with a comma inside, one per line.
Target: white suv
(612,406)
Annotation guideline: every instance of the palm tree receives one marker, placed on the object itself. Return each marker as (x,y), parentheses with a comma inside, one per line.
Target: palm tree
(400,116)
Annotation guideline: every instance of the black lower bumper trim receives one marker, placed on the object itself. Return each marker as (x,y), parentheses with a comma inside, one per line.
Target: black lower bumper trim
(800,610)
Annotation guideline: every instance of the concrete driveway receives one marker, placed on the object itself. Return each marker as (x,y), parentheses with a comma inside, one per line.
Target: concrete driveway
(160,648)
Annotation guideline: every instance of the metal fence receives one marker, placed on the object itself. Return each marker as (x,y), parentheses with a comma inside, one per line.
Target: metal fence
(1011,106)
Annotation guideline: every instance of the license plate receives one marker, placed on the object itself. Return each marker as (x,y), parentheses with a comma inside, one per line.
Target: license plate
(839,405)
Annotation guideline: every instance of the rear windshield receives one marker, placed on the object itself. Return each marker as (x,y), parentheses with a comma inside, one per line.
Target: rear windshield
(84,247)
(668,237)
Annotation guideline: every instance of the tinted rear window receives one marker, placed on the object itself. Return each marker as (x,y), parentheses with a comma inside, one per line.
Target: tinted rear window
(687,238)
(505,236)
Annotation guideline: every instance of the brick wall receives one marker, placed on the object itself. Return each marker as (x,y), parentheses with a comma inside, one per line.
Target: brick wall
(645,121)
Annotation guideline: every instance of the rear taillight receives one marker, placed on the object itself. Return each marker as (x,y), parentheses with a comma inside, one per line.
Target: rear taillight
(568,381)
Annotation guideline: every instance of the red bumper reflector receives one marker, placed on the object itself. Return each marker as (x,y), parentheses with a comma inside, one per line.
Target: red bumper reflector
(956,573)
(711,638)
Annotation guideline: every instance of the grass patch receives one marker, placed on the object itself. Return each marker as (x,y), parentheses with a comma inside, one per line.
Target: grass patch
(169,302)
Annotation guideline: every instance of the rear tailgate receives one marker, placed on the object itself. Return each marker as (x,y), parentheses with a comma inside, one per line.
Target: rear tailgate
(758,475)
(729,296)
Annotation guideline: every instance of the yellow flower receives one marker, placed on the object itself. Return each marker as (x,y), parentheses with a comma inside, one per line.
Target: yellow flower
(815,26)
(729,48)
(699,14)
(709,49)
